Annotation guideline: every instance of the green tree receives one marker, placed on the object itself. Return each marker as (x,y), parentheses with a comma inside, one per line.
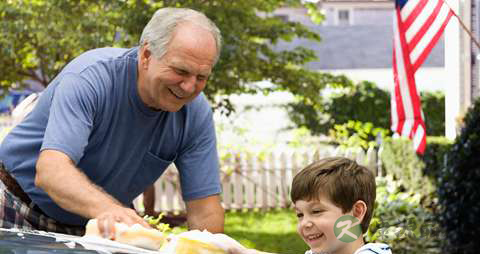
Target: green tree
(39,37)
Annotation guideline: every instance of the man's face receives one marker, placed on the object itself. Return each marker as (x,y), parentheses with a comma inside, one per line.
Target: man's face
(316,219)
(181,74)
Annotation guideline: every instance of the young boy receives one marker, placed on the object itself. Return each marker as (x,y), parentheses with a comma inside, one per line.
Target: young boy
(331,196)
(334,199)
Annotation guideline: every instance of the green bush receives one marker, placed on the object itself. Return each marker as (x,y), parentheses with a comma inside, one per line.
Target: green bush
(358,134)
(458,191)
(416,173)
(400,160)
(434,156)
(400,220)
(305,115)
(433,105)
(363,102)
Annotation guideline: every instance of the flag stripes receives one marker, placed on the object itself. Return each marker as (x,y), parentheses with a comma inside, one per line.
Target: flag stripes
(418,25)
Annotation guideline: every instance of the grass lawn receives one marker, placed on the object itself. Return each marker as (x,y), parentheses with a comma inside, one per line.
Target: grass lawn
(273,231)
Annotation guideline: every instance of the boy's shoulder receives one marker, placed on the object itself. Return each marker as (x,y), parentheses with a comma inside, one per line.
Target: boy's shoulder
(379,248)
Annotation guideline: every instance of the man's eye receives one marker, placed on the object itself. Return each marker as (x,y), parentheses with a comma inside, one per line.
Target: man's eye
(181,72)
(201,78)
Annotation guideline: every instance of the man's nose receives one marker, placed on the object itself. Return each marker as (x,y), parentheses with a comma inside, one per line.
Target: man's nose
(189,84)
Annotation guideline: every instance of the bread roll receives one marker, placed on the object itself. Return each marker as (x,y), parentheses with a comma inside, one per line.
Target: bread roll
(195,242)
(135,235)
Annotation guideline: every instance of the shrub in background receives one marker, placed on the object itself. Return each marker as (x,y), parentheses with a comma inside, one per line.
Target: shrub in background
(416,173)
(358,134)
(458,191)
(363,102)
(433,105)
(401,221)
(306,115)
(434,156)
(400,160)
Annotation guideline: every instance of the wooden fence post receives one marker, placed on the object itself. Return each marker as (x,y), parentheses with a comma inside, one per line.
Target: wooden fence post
(237,183)
(249,176)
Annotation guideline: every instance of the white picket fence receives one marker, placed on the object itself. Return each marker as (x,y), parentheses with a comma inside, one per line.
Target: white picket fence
(254,181)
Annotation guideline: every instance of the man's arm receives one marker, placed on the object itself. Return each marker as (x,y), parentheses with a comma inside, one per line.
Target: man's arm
(206,213)
(73,191)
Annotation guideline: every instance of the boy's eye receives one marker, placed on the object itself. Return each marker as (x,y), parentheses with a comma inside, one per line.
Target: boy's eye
(317,211)
(299,215)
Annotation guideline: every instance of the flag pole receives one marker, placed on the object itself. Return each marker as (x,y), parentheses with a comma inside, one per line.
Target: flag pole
(472,36)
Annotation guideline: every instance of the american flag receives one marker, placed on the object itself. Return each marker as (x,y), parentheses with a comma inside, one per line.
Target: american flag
(418,25)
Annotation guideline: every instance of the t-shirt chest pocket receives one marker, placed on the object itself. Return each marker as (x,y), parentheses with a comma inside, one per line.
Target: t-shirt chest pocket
(152,167)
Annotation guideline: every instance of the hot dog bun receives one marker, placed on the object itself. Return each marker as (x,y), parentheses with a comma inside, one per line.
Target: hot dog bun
(199,242)
(135,235)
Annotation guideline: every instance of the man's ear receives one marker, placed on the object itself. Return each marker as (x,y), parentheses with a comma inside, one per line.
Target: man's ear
(359,210)
(145,55)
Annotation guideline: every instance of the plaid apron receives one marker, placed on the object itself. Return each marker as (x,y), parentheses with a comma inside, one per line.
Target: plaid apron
(14,213)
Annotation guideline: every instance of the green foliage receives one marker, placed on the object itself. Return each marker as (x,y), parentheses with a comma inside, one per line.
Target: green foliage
(39,37)
(401,221)
(434,156)
(433,105)
(305,115)
(358,134)
(363,102)
(458,192)
(416,173)
(400,160)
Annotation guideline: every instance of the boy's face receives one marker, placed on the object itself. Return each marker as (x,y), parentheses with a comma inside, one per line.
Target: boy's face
(316,219)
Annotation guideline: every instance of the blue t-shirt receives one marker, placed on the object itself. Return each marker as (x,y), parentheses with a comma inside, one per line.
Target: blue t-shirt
(92,112)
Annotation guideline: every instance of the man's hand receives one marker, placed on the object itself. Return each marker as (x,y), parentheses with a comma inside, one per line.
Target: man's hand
(118,214)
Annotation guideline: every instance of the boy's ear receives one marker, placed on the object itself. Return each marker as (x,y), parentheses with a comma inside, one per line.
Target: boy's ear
(359,209)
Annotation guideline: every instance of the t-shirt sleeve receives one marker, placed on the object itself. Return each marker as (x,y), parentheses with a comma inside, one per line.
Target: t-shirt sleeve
(198,161)
(71,117)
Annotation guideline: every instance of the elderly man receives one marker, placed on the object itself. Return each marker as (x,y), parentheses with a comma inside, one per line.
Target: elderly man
(107,127)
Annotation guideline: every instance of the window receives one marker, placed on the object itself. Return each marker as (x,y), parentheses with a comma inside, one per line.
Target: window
(343,17)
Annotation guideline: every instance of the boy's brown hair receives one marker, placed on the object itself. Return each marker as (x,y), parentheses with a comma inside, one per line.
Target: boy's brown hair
(342,180)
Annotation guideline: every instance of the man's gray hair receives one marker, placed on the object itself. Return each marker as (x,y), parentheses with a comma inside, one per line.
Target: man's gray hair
(159,30)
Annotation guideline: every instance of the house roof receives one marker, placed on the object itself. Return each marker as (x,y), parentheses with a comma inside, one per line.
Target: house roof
(356,47)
